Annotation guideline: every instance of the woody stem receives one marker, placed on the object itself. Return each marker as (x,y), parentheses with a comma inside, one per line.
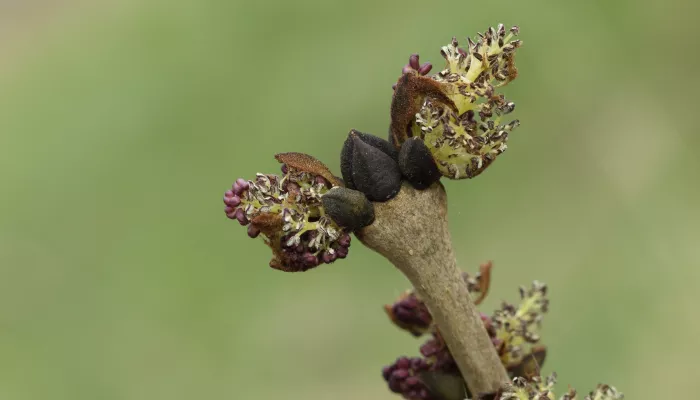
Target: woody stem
(411,231)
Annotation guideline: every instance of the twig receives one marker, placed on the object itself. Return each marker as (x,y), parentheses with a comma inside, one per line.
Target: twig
(411,231)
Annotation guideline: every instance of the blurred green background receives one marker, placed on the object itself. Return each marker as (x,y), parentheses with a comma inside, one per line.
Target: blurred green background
(123,122)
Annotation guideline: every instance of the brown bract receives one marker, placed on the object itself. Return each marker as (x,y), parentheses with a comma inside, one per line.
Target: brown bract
(271,226)
(411,90)
(306,163)
(530,365)
(268,224)
(484,281)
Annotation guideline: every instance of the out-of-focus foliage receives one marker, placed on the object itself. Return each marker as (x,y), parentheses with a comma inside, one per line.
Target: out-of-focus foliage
(121,123)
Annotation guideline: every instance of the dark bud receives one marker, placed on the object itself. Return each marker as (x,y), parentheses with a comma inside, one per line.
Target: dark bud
(348,208)
(346,154)
(370,167)
(417,164)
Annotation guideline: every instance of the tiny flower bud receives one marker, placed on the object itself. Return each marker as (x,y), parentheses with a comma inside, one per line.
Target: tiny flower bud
(344,240)
(425,68)
(414,61)
(342,252)
(253,231)
(414,66)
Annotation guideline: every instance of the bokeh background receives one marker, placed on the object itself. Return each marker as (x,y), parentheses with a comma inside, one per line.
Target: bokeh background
(123,122)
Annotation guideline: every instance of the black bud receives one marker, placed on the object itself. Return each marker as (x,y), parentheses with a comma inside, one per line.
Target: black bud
(348,208)
(374,173)
(346,162)
(417,164)
(346,155)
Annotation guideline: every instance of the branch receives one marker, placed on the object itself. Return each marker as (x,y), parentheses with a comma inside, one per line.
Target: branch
(411,231)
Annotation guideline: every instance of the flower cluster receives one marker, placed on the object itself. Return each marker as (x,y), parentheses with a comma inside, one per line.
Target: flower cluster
(410,314)
(458,115)
(403,377)
(537,388)
(513,332)
(517,327)
(288,212)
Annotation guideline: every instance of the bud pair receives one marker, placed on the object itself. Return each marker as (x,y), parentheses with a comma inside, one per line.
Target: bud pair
(376,168)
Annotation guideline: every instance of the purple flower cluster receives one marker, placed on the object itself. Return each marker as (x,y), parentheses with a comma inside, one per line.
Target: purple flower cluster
(410,314)
(436,352)
(403,378)
(289,214)
(406,375)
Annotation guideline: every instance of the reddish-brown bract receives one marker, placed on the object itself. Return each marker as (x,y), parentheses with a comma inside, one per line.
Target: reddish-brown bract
(306,163)
(411,90)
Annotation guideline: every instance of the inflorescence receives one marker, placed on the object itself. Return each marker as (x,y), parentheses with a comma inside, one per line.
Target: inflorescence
(513,331)
(288,212)
(537,388)
(448,124)
(458,116)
